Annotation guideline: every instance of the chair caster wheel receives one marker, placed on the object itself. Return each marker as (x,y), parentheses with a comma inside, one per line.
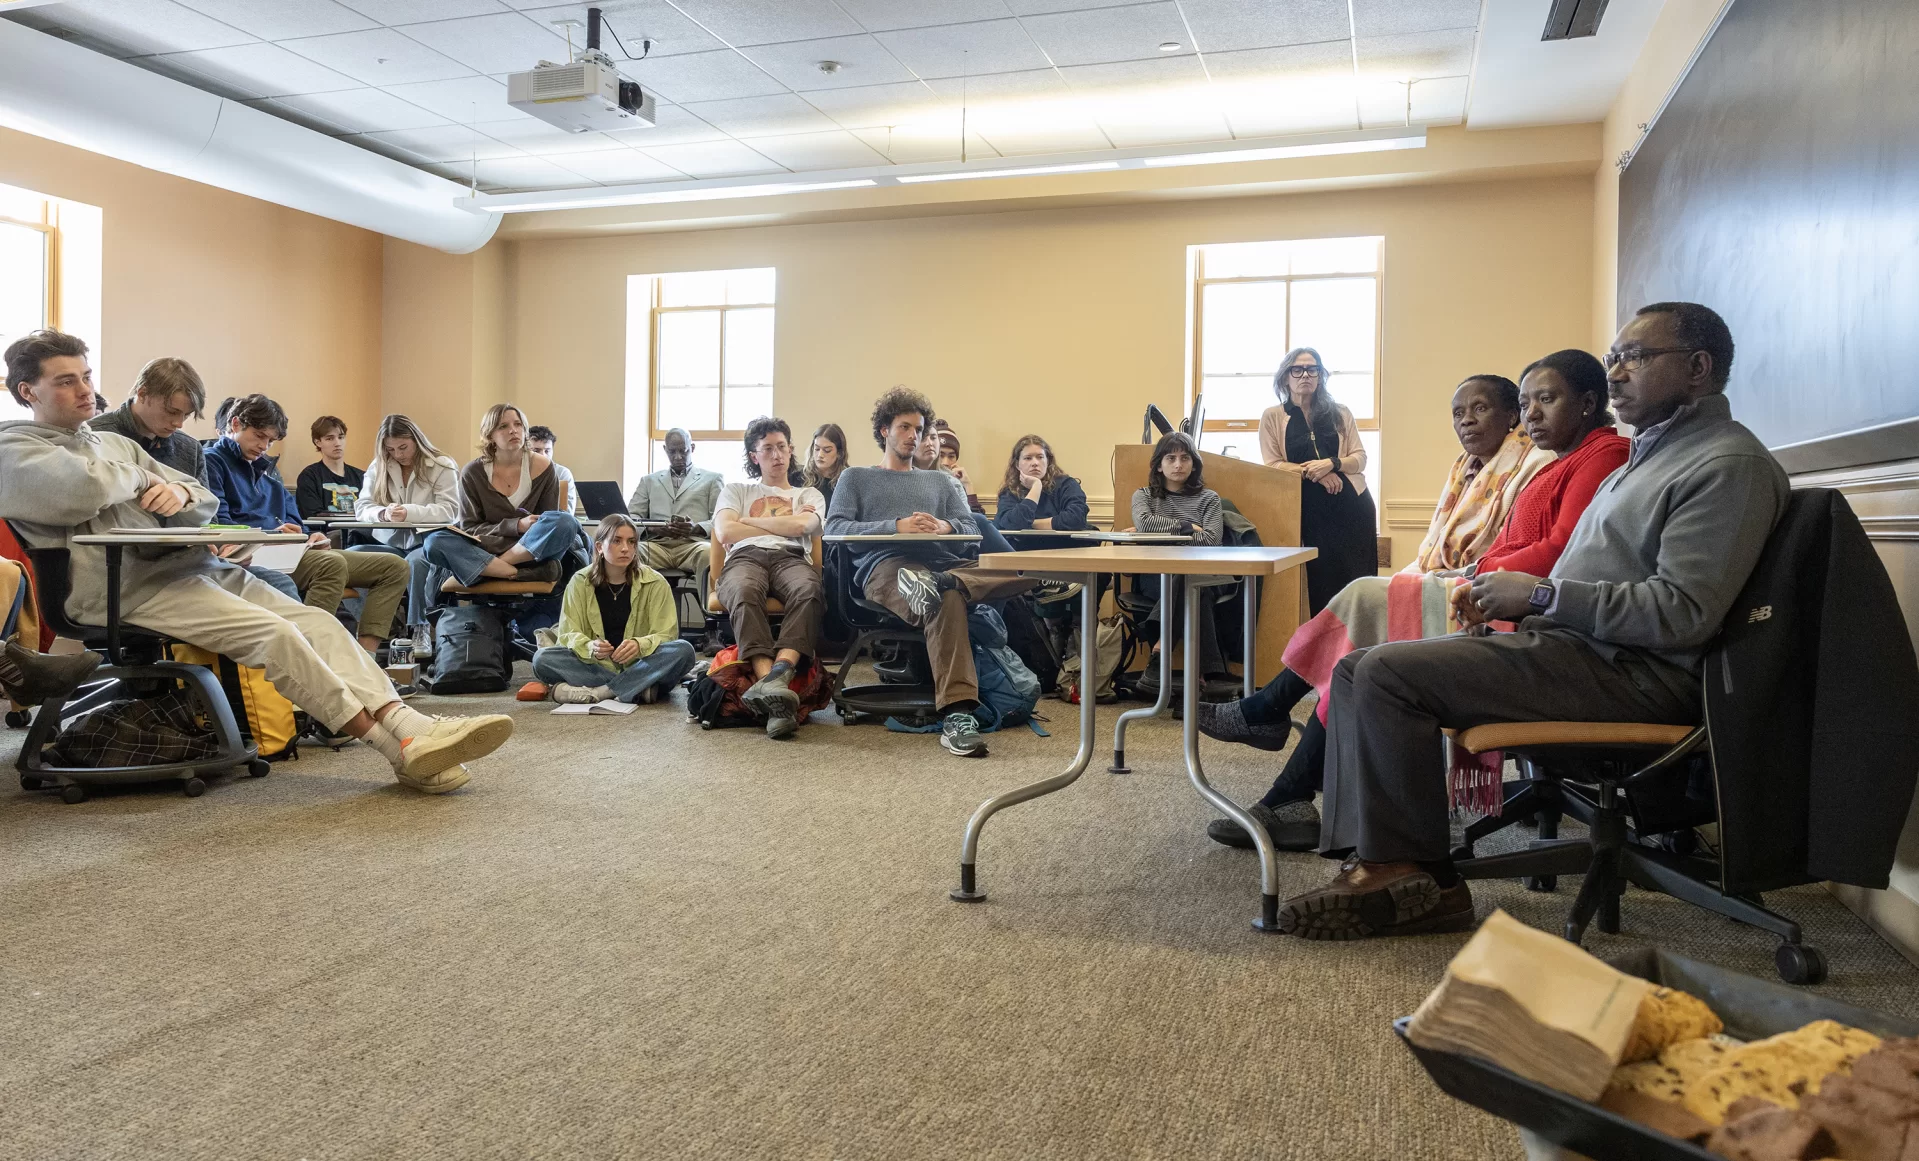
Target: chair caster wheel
(1800,964)
(1544,884)
(73,795)
(258,767)
(18,719)
(1461,854)
(193,788)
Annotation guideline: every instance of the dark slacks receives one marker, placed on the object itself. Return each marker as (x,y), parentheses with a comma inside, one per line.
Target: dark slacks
(753,573)
(1385,768)
(948,646)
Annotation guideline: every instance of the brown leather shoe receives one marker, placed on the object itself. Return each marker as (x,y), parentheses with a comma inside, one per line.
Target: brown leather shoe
(1367,899)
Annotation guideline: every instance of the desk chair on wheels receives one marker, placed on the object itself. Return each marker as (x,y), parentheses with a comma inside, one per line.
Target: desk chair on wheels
(134,668)
(873,625)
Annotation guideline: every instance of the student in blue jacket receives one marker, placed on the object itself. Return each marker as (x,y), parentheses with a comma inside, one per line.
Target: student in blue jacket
(1037,494)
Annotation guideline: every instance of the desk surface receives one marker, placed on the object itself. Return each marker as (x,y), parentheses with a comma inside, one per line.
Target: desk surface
(879,537)
(191,536)
(350,525)
(1186,560)
(1134,537)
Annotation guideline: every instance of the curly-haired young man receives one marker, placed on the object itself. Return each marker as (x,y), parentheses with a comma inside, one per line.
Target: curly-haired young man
(928,583)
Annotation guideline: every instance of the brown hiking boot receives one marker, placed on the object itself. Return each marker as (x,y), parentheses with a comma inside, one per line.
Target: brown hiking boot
(1367,899)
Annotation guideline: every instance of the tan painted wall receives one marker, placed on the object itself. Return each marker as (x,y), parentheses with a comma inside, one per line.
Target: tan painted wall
(256,296)
(1066,322)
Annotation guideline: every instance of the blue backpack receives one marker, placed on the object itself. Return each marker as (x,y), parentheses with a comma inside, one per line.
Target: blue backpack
(1008,690)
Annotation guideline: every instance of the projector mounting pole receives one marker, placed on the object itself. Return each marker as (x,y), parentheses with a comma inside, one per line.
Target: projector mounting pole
(593,30)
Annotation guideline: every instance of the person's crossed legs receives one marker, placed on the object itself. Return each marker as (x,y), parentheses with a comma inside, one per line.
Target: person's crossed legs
(646,680)
(310,658)
(1385,799)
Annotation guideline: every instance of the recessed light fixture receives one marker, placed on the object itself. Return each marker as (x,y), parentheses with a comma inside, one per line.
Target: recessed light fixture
(1321,149)
(1171,46)
(709,194)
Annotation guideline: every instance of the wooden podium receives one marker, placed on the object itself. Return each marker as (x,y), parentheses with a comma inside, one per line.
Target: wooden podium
(1266,496)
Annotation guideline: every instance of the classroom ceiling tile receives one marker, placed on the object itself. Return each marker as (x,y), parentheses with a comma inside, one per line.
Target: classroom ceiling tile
(504,43)
(1315,107)
(923,147)
(378,57)
(1100,35)
(360,111)
(862,61)
(447,143)
(126,28)
(1417,54)
(952,50)
(762,116)
(674,126)
(805,151)
(742,22)
(282,19)
(392,12)
(617,166)
(1037,7)
(1150,102)
(466,100)
(1224,25)
(878,105)
(1014,139)
(526,173)
(1289,63)
(1392,17)
(1433,101)
(885,15)
(703,76)
(713,158)
(540,139)
(258,70)
(628,23)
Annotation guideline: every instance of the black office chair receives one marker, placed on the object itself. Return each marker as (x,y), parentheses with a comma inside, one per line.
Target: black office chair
(1628,782)
(873,625)
(136,669)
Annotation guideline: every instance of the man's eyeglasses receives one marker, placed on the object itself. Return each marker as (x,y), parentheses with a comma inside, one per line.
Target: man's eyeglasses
(1302,372)
(1637,357)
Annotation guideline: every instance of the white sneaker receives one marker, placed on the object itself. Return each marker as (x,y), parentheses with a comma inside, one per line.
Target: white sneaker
(575,694)
(545,638)
(422,644)
(444,782)
(451,742)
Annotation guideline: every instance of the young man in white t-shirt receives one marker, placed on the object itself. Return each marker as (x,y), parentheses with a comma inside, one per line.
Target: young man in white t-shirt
(768,532)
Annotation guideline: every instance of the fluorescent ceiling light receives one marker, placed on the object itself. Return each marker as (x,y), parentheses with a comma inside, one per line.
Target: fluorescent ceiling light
(709,194)
(963,175)
(1321,150)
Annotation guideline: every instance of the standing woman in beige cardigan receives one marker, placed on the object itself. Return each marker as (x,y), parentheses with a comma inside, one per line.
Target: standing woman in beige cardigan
(1310,435)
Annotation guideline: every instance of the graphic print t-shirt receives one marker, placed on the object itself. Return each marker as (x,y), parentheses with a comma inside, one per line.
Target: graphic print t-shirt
(756,498)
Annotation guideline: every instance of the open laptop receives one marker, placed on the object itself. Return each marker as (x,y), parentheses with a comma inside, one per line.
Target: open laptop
(602,498)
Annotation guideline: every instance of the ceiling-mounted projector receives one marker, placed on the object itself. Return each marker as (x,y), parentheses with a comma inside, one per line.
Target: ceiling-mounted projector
(587,94)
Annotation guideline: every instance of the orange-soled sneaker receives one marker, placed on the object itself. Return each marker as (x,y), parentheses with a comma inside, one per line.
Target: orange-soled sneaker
(1368,899)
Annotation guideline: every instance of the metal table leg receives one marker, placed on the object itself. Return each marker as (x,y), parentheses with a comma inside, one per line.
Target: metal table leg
(1246,643)
(968,891)
(1165,681)
(1268,920)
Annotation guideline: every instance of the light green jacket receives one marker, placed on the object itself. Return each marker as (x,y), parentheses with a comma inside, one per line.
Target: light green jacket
(652,621)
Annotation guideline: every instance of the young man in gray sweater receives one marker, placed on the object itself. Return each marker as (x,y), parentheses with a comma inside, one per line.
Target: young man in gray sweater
(63,479)
(1618,632)
(928,583)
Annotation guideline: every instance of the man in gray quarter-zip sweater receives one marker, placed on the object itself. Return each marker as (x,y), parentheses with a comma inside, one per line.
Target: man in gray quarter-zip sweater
(1617,633)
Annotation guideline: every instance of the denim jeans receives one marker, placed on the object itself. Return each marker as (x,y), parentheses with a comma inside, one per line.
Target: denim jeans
(418,570)
(281,582)
(551,534)
(662,667)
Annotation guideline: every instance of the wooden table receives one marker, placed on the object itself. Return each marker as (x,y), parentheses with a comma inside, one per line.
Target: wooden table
(1086,565)
(891,537)
(116,544)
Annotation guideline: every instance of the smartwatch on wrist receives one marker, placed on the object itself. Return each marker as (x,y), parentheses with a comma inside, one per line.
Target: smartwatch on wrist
(1542,596)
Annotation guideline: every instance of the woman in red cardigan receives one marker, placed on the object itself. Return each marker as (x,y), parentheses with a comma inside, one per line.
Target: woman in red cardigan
(1562,403)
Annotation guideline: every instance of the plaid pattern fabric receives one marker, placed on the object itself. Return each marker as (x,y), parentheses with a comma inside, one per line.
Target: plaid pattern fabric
(147,732)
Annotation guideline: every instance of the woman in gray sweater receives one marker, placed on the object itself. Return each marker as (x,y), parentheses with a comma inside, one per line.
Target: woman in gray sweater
(1176,499)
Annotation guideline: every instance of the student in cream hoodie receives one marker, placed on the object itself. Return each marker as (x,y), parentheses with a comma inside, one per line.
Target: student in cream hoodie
(63,479)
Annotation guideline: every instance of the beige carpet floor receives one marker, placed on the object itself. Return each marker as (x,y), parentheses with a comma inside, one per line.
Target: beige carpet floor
(629,938)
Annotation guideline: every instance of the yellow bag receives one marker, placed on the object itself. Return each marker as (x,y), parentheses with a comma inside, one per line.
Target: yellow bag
(263,713)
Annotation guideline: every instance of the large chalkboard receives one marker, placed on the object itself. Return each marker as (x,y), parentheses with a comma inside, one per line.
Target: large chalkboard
(1781,188)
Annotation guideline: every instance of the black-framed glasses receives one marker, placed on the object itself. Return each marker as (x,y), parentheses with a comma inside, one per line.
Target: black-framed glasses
(1637,357)
(1303,372)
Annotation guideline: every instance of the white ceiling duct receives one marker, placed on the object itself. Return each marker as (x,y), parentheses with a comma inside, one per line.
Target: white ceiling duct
(69,94)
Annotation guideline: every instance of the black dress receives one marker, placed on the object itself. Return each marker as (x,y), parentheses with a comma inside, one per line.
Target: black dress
(1342,526)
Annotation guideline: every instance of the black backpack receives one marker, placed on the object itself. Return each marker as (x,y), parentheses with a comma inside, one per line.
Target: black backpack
(470,651)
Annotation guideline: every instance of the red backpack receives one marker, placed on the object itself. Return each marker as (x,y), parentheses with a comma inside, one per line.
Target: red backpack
(715,699)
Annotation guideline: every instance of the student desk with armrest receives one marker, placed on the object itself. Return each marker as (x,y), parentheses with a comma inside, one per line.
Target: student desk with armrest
(1086,565)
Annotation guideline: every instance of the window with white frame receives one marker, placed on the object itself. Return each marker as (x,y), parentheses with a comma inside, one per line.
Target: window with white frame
(699,356)
(49,272)
(1254,301)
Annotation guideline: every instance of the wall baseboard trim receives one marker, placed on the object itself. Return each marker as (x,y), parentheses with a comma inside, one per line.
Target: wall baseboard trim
(1409,513)
(1893,916)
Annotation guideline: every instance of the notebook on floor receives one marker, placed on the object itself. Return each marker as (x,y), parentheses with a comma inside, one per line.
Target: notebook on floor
(609,707)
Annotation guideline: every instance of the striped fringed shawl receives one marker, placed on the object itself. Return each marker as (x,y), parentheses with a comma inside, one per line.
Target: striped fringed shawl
(1470,514)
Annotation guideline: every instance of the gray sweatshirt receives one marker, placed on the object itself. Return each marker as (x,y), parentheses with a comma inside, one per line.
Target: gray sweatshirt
(59,483)
(872,501)
(1669,540)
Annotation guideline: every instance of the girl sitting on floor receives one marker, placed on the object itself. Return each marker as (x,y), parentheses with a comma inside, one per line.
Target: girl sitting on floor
(619,634)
